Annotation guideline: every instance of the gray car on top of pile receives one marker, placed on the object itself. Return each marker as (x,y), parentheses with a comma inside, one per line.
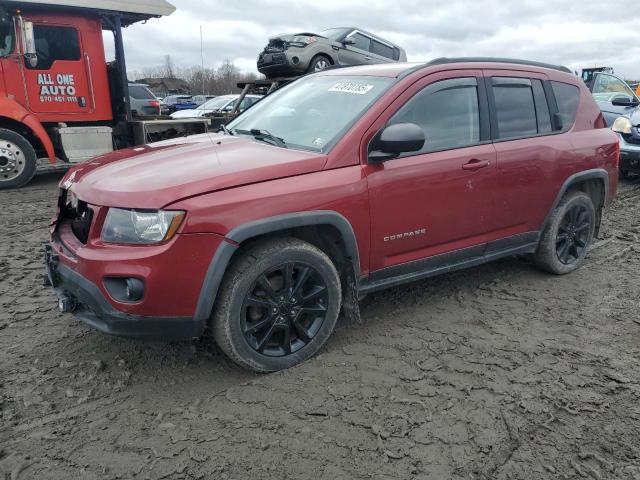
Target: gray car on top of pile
(299,53)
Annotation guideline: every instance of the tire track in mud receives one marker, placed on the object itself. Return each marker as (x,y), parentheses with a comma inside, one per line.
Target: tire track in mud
(498,372)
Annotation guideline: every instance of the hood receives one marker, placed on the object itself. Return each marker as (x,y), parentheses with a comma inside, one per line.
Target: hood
(156,175)
(191,113)
(288,36)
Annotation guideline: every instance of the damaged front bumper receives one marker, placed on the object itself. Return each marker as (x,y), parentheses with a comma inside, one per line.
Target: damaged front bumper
(84,299)
(287,62)
(630,151)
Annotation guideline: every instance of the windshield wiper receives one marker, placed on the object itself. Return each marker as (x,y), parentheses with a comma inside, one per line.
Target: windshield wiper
(264,136)
(224,128)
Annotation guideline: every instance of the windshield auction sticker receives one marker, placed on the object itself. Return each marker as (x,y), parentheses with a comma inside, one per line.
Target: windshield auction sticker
(351,87)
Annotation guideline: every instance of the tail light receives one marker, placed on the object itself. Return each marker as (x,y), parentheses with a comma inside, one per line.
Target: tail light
(617,154)
(156,104)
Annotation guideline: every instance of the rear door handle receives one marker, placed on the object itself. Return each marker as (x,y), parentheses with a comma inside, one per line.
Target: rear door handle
(476,164)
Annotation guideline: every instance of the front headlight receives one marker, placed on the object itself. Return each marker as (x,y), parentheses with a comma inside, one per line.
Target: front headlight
(302,40)
(622,125)
(141,226)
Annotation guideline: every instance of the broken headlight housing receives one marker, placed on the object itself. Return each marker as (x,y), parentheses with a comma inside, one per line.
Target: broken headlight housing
(622,125)
(301,41)
(141,226)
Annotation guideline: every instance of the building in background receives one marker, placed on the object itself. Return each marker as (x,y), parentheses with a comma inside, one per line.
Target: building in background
(161,87)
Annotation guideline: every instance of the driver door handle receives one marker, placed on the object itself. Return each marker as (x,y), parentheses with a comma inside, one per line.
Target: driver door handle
(475,164)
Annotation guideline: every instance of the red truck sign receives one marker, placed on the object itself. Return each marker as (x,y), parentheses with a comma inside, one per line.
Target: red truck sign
(59,99)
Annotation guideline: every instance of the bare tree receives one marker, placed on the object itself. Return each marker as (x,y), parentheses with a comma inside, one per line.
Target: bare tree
(219,81)
(168,67)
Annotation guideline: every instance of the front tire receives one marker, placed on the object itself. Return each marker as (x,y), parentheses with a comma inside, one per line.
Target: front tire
(565,241)
(278,305)
(318,64)
(17,160)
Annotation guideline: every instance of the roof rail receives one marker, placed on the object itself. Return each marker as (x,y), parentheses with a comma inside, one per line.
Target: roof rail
(444,61)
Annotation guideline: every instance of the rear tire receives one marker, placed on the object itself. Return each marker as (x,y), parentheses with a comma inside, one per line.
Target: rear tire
(567,237)
(17,160)
(278,305)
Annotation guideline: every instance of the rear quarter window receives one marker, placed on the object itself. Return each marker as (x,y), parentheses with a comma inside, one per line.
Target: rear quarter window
(140,93)
(567,98)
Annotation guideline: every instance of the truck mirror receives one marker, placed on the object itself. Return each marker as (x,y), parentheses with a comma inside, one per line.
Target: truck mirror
(29,43)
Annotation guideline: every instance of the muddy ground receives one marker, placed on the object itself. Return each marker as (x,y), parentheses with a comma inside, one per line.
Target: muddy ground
(496,372)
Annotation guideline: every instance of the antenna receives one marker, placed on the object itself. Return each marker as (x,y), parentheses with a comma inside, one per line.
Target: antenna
(202,60)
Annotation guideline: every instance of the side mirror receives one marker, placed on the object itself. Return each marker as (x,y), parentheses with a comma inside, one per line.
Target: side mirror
(623,101)
(348,41)
(396,139)
(29,43)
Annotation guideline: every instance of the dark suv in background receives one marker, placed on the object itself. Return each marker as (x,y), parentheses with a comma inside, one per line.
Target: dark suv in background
(143,101)
(298,53)
(619,105)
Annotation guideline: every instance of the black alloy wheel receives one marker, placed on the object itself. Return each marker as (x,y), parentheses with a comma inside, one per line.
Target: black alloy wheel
(568,233)
(278,305)
(284,310)
(574,233)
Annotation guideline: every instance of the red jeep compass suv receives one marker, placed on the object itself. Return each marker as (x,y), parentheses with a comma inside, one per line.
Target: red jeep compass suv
(339,184)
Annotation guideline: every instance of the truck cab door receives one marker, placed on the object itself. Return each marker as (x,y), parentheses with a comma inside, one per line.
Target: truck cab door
(59,80)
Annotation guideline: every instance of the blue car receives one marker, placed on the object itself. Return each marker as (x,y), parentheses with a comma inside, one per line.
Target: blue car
(619,105)
(180,102)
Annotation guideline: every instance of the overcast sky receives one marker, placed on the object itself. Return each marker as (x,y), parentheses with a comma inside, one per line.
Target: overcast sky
(575,33)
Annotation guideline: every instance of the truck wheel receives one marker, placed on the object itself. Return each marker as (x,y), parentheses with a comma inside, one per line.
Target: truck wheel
(17,160)
(278,305)
(319,63)
(565,241)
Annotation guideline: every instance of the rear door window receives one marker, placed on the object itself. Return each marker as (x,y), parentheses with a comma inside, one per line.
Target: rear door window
(382,49)
(515,107)
(54,43)
(448,113)
(567,98)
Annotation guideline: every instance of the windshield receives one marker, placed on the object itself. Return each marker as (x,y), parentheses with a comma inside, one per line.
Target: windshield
(606,87)
(335,34)
(314,112)
(6,33)
(215,103)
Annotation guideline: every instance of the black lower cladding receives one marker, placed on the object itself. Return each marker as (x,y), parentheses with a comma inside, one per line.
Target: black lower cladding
(450,261)
(93,309)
